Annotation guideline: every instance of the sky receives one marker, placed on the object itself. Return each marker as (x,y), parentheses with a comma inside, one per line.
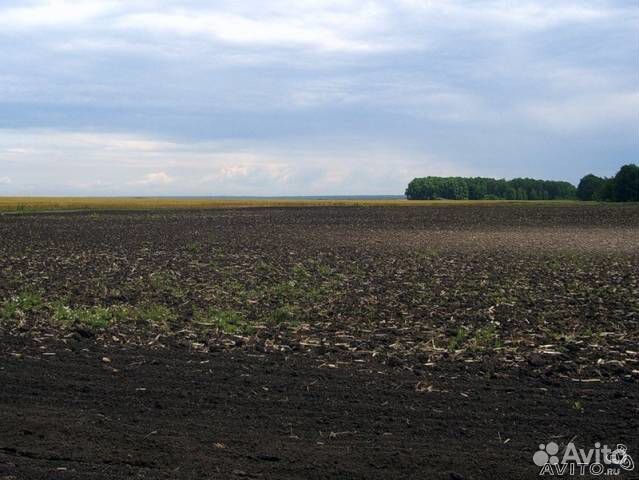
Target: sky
(311,97)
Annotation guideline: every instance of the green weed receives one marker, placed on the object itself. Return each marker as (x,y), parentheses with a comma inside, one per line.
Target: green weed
(194,247)
(21,304)
(286,314)
(95,317)
(455,342)
(156,314)
(486,338)
(225,321)
(165,283)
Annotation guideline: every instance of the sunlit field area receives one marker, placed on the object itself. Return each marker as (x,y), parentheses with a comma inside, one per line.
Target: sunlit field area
(35,204)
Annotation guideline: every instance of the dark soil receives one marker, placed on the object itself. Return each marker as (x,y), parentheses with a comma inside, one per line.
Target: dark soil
(155,414)
(437,342)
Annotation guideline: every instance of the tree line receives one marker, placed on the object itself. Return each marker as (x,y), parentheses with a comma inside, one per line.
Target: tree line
(480,188)
(623,187)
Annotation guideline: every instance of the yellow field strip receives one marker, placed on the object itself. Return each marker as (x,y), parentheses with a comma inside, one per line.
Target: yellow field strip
(28,204)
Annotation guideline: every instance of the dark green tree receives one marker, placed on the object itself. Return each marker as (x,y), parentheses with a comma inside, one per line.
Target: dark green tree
(607,190)
(589,188)
(626,184)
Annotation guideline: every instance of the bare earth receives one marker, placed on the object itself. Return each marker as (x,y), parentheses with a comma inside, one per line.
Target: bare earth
(338,342)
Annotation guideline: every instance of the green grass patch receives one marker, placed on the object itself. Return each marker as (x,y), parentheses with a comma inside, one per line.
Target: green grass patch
(156,314)
(457,341)
(95,317)
(284,315)
(481,339)
(486,338)
(225,321)
(21,304)
(166,283)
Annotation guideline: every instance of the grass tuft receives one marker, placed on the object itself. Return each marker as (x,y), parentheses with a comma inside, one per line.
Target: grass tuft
(96,317)
(225,321)
(21,304)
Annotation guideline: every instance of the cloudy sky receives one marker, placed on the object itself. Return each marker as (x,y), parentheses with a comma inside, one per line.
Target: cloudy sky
(288,97)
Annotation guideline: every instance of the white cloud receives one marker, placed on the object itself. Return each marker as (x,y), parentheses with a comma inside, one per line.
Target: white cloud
(345,26)
(233,171)
(5,180)
(255,178)
(612,111)
(155,178)
(344,32)
(93,164)
(54,13)
(526,15)
(118,150)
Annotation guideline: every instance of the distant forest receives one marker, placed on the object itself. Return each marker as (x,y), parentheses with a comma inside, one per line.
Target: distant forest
(479,188)
(623,187)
